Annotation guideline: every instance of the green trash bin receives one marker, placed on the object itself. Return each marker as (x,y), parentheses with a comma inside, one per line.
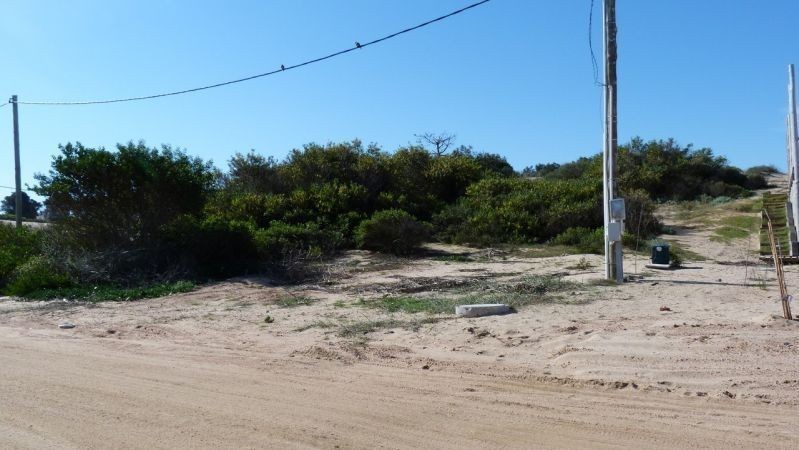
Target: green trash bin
(660,254)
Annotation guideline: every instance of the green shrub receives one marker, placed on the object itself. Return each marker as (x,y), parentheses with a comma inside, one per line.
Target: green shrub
(294,251)
(756,181)
(640,209)
(518,210)
(122,199)
(391,231)
(451,224)
(210,248)
(36,274)
(664,169)
(281,239)
(584,239)
(17,246)
(635,242)
(756,176)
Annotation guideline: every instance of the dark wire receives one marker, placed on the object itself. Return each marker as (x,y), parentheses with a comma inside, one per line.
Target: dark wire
(281,69)
(14,189)
(594,65)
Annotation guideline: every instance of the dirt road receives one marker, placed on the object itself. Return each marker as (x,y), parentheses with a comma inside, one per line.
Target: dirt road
(61,391)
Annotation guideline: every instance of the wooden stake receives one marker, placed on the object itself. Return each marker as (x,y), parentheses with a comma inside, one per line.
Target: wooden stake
(786,306)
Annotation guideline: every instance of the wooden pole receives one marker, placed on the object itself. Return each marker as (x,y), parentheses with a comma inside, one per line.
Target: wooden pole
(17,175)
(775,254)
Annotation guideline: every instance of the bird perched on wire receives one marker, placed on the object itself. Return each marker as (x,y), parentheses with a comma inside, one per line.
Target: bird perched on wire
(358,44)
(282,67)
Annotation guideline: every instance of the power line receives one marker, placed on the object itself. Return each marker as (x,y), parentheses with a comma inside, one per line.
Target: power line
(281,69)
(594,65)
(14,189)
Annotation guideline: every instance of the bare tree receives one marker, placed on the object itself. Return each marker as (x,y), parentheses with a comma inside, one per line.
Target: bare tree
(440,142)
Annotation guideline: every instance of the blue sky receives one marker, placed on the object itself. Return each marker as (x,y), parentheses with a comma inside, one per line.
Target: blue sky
(512,77)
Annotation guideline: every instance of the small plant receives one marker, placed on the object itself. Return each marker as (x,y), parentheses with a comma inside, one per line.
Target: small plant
(358,329)
(759,280)
(453,258)
(411,304)
(721,200)
(676,259)
(323,324)
(582,264)
(603,282)
(291,301)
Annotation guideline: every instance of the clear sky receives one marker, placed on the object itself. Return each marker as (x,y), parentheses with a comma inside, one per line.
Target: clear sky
(512,77)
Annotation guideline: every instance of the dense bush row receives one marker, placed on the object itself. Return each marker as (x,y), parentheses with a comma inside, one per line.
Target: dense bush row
(665,171)
(141,214)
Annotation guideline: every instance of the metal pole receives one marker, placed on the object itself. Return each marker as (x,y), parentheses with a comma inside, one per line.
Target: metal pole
(17,176)
(613,270)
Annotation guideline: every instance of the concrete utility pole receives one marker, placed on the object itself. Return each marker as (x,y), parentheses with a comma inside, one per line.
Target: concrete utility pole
(17,176)
(793,158)
(613,250)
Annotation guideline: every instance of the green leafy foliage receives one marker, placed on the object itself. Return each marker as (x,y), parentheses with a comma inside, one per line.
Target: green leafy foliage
(112,293)
(122,199)
(114,210)
(664,170)
(36,273)
(391,231)
(139,215)
(208,248)
(756,176)
(281,239)
(584,239)
(516,210)
(17,247)
(337,186)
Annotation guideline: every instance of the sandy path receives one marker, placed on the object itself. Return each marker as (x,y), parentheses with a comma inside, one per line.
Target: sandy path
(89,393)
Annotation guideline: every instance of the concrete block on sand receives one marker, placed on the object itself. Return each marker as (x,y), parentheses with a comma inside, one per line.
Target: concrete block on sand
(487,309)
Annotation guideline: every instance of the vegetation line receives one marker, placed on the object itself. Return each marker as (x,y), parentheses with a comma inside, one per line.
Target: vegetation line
(137,217)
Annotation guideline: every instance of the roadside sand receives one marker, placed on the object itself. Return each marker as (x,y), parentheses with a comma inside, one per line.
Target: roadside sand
(602,367)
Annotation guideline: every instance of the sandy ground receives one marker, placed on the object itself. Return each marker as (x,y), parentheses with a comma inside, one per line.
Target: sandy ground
(692,358)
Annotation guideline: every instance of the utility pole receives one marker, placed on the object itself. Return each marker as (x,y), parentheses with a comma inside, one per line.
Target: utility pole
(613,223)
(17,176)
(793,159)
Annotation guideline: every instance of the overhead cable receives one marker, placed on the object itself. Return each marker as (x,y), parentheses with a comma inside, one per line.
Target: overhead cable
(282,68)
(594,65)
